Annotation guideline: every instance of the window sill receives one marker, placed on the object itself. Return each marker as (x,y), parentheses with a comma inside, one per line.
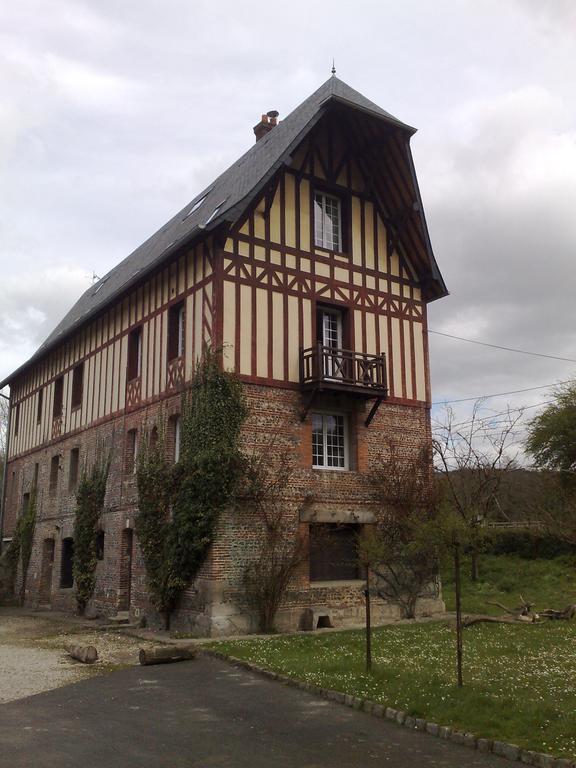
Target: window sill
(339,470)
(331,252)
(337,583)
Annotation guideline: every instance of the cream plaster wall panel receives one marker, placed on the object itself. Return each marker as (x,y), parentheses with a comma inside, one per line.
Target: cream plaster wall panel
(293,335)
(246,330)
(114,349)
(371,348)
(189,337)
(162,355)
(397,357)
(275,218)
(278,335)
(157,352)
(369,234)
(356,177)
(358,331)
(208,294)
(395,264)
(307,322)
(322,269)
(290,209)
(342,275)
(89,387)
(261,332)
(198,300)
(229,325)
(419,359)
(304,215)
(356,232)
(122,372)
(259,228)
(408,359)
(110,373)
(318,172)
(244,229)
(259,253)
(243,249)
(146,362)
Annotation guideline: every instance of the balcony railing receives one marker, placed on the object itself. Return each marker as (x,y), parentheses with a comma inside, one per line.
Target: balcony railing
(340,369)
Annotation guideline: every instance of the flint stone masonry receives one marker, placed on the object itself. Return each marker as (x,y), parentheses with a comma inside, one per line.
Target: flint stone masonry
(214,605)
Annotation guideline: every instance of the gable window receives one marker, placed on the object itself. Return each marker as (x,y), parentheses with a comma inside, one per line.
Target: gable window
(176,329)
(54,468)
(67,564)
(334,552)
(327,221)
(77,385)
(131,451)
(73,468)
(329,441)
(134,353)
(58,397)
(39,406)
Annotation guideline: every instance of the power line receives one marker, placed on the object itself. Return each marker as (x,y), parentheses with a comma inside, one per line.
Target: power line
(506,349)
(501,394)
(494,415)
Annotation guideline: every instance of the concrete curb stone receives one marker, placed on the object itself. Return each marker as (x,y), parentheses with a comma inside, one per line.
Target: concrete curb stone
(501,748)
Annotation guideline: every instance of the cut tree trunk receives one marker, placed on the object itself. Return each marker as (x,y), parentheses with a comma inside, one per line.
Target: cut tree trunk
(87,654)
(166,654)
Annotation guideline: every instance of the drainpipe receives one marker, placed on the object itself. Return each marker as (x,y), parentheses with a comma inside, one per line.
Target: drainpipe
(4,472)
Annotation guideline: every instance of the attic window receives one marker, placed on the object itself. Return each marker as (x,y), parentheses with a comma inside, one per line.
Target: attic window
(213,214)
(195,206)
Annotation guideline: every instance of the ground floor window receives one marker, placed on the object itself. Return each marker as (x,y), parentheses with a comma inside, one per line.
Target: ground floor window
(67,564)
(329,441)
(334,552)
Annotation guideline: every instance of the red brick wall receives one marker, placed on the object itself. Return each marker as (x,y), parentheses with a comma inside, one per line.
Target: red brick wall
(215,602)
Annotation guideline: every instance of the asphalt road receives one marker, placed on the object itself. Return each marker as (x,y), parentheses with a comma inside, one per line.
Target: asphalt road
(207,713)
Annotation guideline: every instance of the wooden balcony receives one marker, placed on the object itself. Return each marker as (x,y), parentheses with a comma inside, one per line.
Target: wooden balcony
(340,370)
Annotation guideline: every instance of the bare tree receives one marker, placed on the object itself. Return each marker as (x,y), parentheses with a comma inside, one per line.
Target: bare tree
(281,550)
(400,552)
(4,408)
(474,457)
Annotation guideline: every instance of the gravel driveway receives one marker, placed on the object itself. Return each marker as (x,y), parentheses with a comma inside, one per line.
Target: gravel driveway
(33,657)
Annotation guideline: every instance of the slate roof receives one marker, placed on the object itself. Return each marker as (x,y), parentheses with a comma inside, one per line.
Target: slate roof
(225,200)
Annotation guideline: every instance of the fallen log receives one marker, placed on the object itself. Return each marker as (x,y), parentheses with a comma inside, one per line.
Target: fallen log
(564,615)
(166,654)
(87,654)
(469,621)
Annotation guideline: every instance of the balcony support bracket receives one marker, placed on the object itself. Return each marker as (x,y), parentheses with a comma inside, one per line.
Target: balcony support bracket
(308,404)
(373,411)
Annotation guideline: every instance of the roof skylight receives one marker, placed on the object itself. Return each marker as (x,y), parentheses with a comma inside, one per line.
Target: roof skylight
(196,205)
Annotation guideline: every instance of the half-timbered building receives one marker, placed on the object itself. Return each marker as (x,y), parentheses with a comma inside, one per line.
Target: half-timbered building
(309,263)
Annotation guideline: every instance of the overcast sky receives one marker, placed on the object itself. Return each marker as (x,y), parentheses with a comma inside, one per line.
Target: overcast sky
(114,115)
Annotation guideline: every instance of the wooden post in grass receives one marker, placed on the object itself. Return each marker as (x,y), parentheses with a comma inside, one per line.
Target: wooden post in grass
(368,623)
(458,613)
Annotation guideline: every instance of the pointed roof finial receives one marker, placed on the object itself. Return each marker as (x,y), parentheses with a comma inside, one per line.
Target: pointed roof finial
(333,68)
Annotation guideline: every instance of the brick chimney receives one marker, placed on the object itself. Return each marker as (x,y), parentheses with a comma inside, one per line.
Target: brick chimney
(269,120)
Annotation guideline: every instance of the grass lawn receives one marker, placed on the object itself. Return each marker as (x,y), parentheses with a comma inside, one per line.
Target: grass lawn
(544,583)
(519,681)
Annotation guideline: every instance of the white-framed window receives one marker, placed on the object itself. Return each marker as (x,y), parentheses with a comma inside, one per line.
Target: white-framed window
(330,441)
(327,222)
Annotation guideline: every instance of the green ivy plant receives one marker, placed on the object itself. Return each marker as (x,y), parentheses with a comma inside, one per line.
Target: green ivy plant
(90,496)
(19,551)
(179,506)
(155,478)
